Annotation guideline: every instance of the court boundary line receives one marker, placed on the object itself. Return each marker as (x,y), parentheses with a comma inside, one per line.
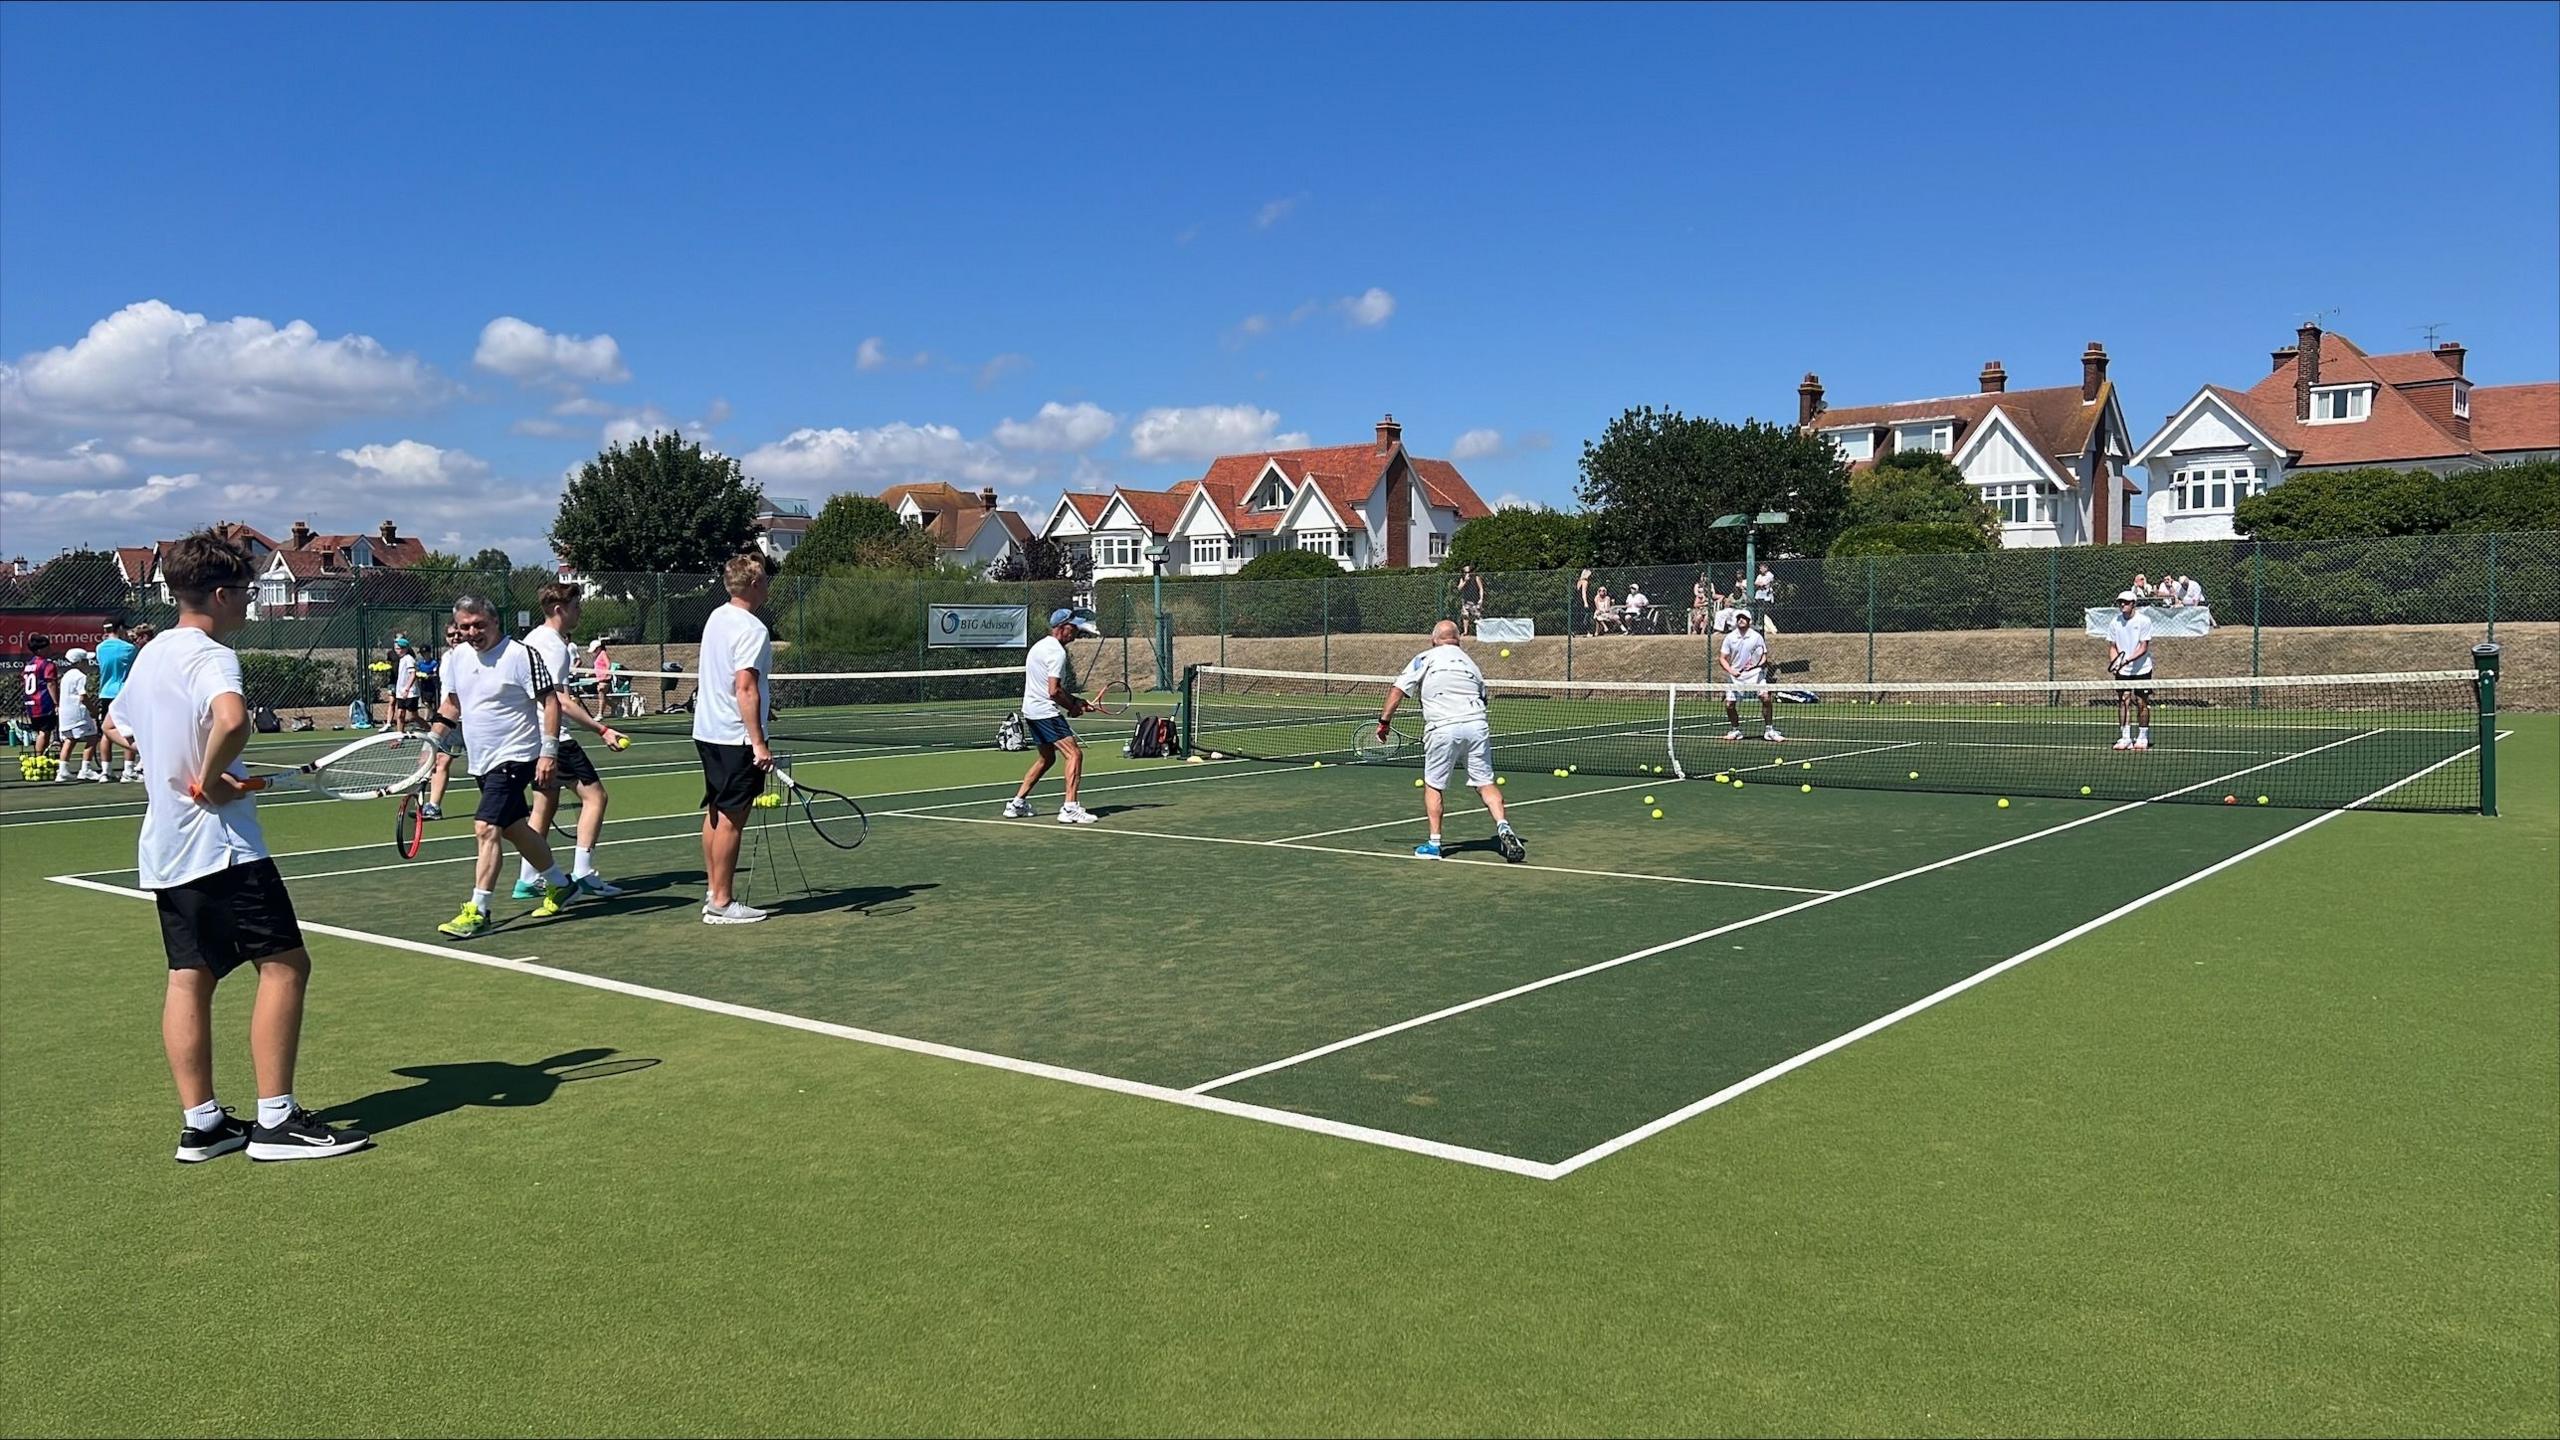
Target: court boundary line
(1480,1002)
(1749,1083)
(1286,1119)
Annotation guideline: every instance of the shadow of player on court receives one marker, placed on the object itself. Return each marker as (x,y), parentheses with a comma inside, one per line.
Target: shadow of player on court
(859,899)
(495,1084)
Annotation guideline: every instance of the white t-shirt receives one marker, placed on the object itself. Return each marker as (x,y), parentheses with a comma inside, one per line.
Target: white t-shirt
(1765,589)
(733,639)
(167,705)
(2192,593)
(1046,661)
(2128,635)
(76,719)
(1445,679)
(1724,618)
(404,679)
(1636,600)
(499,692)
(553,651)
(1746,652)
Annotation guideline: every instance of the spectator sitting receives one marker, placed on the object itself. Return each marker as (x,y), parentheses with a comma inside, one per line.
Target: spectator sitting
(1604,614)
(1638,607)
(2189,592)
(2166,592)
(1764,589)
(1727,607)
(2141,585)
(1701,605)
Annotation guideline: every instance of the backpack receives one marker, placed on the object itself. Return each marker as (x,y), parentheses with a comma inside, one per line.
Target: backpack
(1009,734)
(264,720)
(1153,740)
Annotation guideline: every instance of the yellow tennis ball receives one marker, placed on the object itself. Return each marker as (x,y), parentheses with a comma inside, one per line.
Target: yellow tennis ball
(1657,814)
(1915,774)
(1737,782)
(1501,779)
(1506,652)
(1722,777)
(1559,774)
(2084,789)
(1806,789)
(1417,782)
(1648,799)
(2004,802)
(1315,764)
(2262,799)
(1806,765)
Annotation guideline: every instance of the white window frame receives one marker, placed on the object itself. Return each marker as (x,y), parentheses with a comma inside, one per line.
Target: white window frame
(1210,550)
(1438,546)
(1934,436)
(2354,401)
(1863,449)
(1116,552)
(2461,402)
(1328,543)
(2021,503)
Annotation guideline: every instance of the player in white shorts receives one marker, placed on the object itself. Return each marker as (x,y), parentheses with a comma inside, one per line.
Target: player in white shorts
(1745,658)
(1455,728)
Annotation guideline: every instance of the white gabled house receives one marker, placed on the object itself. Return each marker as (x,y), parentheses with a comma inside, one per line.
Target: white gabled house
(1362,506)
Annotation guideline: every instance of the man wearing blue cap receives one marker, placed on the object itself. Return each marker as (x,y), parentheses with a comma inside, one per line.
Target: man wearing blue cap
(1048,701)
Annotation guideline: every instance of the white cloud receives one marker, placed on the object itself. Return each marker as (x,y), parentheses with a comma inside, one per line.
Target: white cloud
(719,412)
(1201,432)
(1509,501)
(1080,426)
(415,465)
(1293,440)
(1476,444)
(27,511)
(1537,440)
(84,461)
(1273,212)
(639,424)
(162,371)
(527,353)
(543,429)
(585,405)
(1369,309)
(889,455)
(873,355)
(1001,366)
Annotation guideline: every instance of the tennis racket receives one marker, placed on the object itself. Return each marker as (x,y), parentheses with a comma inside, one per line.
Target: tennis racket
(376,768)
(1370,746)
(409,827)
(1112,699)
(837,819)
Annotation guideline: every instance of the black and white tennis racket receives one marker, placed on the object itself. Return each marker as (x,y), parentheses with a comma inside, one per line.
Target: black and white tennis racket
(837,819)
(377,768)
(1372,742)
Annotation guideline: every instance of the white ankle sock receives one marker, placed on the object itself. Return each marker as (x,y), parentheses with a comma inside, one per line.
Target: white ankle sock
(204,1116)
(480,900)
(274,1110)
(586,862)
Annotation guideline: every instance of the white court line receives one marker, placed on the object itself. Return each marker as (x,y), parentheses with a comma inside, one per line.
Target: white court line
(1340,1130)
(1337,850)
(1780,913)
(1651,1128)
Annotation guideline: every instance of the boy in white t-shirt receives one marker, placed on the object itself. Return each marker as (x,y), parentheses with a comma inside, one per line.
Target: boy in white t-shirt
(79,723)
(732,704)
(2129,658)
(222,904)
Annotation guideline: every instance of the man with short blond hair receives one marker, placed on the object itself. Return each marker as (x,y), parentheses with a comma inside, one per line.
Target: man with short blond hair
(732,705)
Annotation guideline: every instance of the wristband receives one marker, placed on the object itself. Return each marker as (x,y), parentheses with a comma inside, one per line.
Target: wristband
(550,747)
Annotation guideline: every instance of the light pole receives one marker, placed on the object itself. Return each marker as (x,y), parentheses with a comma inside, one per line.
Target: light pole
(1164,622)
(1750,543)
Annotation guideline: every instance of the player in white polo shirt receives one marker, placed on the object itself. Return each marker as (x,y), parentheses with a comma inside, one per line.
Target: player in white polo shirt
(508,708)
(1455,727)
(2129,658)
(1745,658)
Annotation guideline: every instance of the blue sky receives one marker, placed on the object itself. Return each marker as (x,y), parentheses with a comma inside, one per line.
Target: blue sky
(1090,245)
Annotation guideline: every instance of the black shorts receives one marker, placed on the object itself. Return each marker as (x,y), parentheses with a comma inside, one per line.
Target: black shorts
(405,704)
(220,921)
(502,797)
(730,780)
(43,724)
(574,767)
(2132,692)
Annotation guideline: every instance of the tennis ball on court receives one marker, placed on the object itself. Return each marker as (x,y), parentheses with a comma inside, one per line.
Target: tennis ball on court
(1657,814)
(1722,777)
(1501,779)
(1571,768)
(1559,774)
(1806,789)
(1417,782)
(1506,653)
(1648,799)
(2262,799)
(2084,789)
(1191,760)
(2004,802)
(1806,765)
(1315,764)
(1915,774)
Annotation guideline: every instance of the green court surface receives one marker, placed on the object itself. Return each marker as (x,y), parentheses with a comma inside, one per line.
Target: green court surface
(1841,1109)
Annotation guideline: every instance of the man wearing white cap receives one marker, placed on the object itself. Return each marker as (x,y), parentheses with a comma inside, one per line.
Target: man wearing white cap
(1048,702)
(2129,659)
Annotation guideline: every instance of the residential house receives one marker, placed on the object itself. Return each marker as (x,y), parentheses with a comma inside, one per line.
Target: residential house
(2051,461)
(970,530)
(261,552)
(781,522)
(1363,506)
(311,573)
(2327,405)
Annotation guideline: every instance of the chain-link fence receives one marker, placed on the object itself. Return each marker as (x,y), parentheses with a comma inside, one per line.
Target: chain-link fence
(315,649)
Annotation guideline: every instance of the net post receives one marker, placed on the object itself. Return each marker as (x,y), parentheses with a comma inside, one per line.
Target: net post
(2492,636)
(2484,659)
(1222,622)
(2257,603)
(1671,731)
(1190,720)
(1871,621)
(2052,608)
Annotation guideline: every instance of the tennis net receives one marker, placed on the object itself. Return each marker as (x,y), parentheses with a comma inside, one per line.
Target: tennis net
(2402,741)
(924,709)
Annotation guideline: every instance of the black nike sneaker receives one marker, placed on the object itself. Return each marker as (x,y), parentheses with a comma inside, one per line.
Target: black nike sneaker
(197,1146)
(1512,847)
(303,1137)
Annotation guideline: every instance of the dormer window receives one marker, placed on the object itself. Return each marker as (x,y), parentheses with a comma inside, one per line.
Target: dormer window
(1855,444)
(1935,435)
(1274,495)
(2341,402)
(2461,402)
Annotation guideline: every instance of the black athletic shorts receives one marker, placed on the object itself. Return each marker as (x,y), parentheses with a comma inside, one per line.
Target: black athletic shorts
(730,780)
(502,797)
(220,921)
(2133,692)
(574,766)
(43,724)
(405,704)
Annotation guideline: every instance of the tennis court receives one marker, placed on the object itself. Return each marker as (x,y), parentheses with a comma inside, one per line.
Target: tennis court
(1253,937)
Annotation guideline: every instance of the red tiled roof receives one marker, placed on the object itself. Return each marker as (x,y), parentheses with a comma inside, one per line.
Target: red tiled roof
(1155,509)
(135,561)
(308,563)
(2506,418)
(2413,367)
(1347,475)
(1447,487)
(1347,496)
(2054,420)
(1088,505)
(963,525)
(2395,429)
(933,496)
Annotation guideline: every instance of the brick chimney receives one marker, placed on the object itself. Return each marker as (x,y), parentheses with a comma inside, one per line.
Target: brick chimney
(1808,398)
(1390,434)
(2093,371)
(301,535)
(987,498)
(1994,379)
(2451,354)
(2306,371)
(390,533)
(2279,358)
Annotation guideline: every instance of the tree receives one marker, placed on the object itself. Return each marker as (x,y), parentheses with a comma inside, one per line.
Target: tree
(1919,487)
(1289,565)
(1657,480)
(78,580)
(1527,538)
(2340,504)
(843,524)
(1038,559)
(1909,537)
(491,560)
(905,547)
(659,504)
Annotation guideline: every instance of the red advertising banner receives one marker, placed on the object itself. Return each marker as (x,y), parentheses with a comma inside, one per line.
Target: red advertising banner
(64,628)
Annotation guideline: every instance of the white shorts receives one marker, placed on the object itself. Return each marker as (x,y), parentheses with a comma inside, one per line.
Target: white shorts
(1443,748)
(1746,686)
(79,724)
